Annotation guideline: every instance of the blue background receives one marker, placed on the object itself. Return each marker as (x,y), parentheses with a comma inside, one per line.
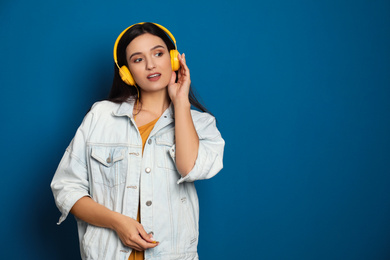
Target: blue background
(300,90)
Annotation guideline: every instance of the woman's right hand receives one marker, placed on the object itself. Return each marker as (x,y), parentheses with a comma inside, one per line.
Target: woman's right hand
(130,231)
(132,234)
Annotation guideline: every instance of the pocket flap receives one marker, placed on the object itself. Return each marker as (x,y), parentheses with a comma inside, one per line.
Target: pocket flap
(107,156)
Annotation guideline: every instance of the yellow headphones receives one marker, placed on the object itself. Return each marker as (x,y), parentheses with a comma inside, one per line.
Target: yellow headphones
(124,72)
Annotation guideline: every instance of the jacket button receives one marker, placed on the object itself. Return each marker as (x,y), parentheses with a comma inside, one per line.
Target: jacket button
(150,141)
(148,203)
(108,160)
(147,170)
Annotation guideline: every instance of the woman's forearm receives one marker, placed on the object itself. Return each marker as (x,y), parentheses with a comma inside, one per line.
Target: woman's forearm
(95,214)
(130,232)
(187,140)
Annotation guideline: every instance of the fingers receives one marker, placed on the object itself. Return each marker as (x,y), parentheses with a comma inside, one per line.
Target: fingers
(147,237)
(140,245)
(144,240)
(133,235)
(184,58)
(138,242)
(184,70)
(173,78)
(152,238)
(183,62)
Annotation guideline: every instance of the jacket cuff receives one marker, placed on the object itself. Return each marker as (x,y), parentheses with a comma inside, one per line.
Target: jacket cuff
(207,165)
(69,203)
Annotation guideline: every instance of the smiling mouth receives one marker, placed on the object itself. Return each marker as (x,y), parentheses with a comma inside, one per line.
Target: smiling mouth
(154,76)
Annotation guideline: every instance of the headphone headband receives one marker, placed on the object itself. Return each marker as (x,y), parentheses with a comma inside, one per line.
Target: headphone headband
(120,37)
(124,71)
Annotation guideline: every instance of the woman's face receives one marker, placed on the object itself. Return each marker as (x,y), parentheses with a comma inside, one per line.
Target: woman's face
(149,62)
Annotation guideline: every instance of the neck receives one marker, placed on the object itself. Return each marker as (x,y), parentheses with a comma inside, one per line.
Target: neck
(155,102)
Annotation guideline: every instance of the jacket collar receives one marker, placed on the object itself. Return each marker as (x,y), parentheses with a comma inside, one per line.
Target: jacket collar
(126,109)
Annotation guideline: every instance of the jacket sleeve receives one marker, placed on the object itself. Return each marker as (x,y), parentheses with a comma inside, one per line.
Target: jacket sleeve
(210,152)
(70,181)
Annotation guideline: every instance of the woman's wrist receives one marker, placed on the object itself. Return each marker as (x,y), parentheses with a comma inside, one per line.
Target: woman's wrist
(181,103)
(115,220)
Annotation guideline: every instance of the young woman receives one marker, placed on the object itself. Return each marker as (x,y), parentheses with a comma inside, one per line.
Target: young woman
(127,176)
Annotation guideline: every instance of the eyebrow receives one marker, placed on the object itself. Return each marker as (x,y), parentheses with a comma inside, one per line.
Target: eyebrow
(137,53)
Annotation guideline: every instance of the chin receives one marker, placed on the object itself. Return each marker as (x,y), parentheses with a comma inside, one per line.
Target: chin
(155,86)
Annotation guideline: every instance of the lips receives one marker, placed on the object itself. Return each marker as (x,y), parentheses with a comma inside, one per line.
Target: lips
(154,76)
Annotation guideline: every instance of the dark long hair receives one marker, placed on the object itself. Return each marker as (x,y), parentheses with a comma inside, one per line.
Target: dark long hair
(120,91)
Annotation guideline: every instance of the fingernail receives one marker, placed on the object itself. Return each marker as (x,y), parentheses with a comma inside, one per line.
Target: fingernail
(152,238)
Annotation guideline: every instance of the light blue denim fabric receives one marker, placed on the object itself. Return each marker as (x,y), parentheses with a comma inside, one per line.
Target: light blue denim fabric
(104,161)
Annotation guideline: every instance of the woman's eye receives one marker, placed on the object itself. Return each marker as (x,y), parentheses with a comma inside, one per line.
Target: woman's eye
(137,60)
(158,54)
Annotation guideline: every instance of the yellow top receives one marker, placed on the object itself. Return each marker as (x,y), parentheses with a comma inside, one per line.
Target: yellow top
(145,132)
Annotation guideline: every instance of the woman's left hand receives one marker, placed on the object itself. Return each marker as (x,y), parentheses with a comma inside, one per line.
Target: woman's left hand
(178,91)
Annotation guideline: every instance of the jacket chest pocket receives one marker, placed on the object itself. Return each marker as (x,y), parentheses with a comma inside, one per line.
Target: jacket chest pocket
(108,165)
(165,146)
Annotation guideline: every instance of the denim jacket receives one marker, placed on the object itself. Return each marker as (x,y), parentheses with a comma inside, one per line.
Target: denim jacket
(104,161)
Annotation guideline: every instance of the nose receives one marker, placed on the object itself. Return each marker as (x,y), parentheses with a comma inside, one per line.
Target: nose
(150,64)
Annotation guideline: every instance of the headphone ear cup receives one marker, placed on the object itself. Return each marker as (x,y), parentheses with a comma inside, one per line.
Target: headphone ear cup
(175,60)
(126,76)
